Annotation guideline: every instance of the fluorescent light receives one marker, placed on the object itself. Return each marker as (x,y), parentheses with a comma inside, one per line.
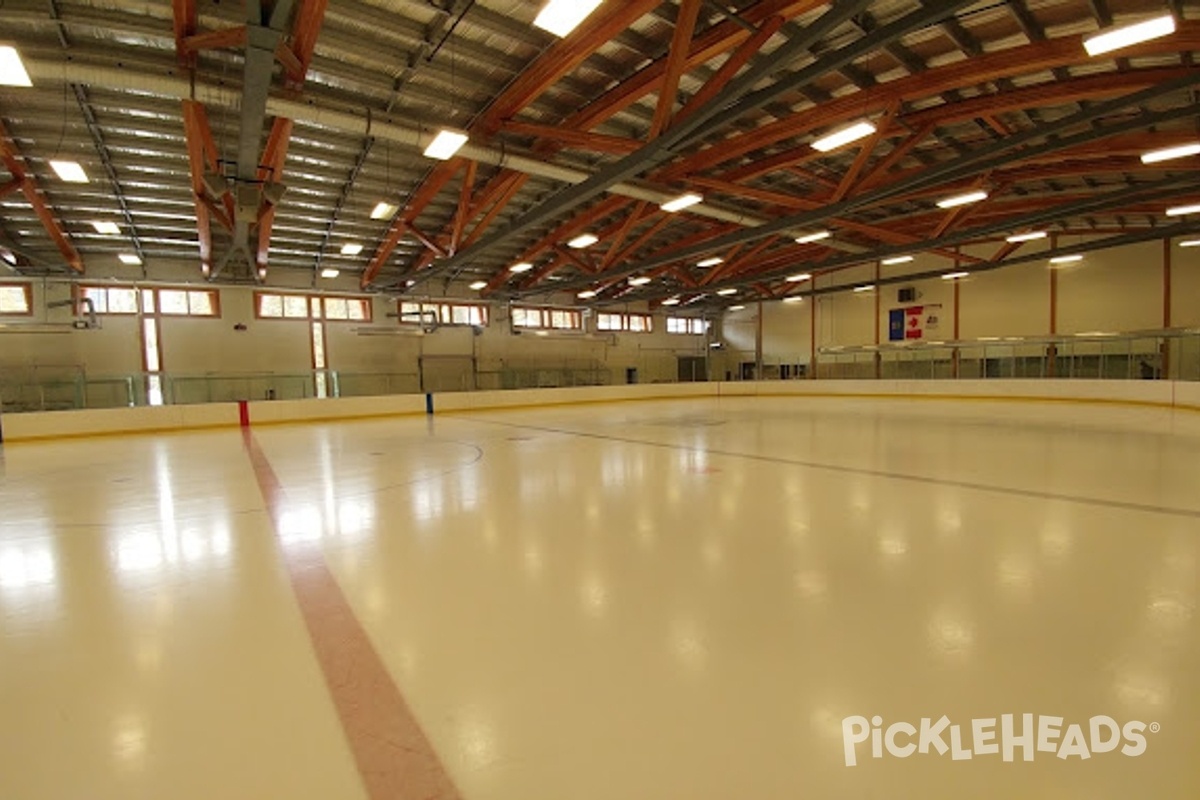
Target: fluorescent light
(524,266)
(1179,211)
(793,299)
(12,70)
(843,136)
(69,171)
(330,272)
(710,262)
(642,281)
(888,262)
(560,17)
(963,199)
(129,258)
(735,308)
(671,301)
(866,288)
(1066,259)
(586,294)
(803,276)
(477,285)
(808,238)
(1190,243)
(382,209)
(726,292)
(351,249)
(580,242)
(681,202)
(953,276)
(1168,153)
(109,228)
(445,144)
(1026,237)
(1116,38)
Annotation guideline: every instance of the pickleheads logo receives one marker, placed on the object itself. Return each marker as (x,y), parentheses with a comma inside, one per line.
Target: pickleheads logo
(1027,733)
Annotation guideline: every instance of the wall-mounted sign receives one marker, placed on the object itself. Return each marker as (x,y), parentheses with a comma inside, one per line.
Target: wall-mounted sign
(913,322)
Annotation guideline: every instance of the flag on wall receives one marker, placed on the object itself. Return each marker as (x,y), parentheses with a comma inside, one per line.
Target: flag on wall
(913,322)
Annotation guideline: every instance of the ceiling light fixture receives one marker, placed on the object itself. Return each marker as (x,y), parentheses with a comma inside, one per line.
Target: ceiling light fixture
(642,281)
(793,299)
(865,288)
(585,240)
(1180,211)
(477,285)
(445,144)
(382,209)
(681,202)
(330,272)
(803,276)
(889,262)
(710,262)
(1128,35)
(351,249)
(735,308)
(671,301)
(107,228)
(560,17)
(1190,243)
(524,266)
(129,258)
(809,238)
(1026,237)
(953,276)
(69,171)
(12,69)
(726,292)
(1071,259)
(963,199)
(587,294)
(1168,153)
(843,136)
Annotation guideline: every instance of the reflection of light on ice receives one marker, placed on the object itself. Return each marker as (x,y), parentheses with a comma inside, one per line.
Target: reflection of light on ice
(686,641)
(129,740)
(594,595)
(140,550)
(950,633)
(476,741)
(810,583)
(26,564)
(1015,573)
(1141,690)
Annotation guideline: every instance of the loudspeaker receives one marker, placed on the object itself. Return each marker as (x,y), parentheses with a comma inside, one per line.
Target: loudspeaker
(908,294)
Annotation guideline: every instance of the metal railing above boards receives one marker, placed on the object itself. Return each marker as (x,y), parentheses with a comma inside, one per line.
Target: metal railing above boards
(1139,355)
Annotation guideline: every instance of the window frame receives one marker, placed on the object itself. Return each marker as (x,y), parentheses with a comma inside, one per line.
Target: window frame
(214,296)
(28,291)
(689,323)
(438,306)
(546,318)
(311,301)
(624,320)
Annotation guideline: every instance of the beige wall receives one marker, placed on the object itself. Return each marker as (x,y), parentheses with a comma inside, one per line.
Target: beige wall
(1115,290)
(198,346)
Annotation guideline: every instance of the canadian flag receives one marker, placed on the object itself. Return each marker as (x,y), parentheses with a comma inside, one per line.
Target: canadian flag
(919,319)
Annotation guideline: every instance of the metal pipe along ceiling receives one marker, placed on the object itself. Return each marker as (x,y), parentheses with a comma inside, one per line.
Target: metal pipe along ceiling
(357,125)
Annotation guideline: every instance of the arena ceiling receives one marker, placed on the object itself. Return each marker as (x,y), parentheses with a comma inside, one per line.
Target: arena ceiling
(250,140)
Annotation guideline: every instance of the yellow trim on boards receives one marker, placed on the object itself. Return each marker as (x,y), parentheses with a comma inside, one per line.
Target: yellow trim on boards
(651,398)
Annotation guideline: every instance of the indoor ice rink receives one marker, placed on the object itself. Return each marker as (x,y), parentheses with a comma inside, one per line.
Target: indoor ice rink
(599,399)
(680,598)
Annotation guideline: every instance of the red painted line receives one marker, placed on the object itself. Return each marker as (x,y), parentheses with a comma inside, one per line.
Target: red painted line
(393,755)
(244,413)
